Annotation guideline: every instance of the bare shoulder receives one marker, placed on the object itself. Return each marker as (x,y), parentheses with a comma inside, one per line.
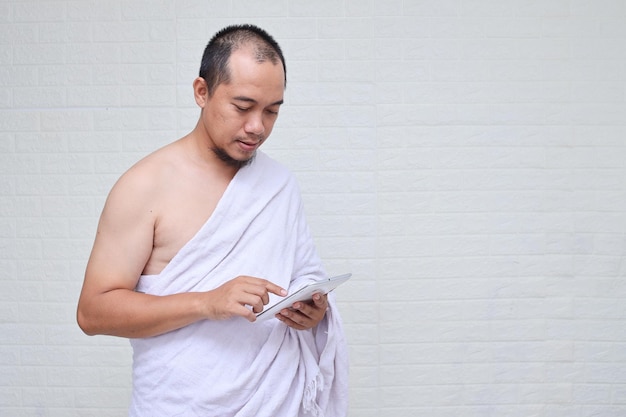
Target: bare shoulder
(133,200)
(145,176)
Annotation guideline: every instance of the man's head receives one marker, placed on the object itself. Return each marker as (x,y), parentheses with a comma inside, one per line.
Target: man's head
(214,66)
(240,90)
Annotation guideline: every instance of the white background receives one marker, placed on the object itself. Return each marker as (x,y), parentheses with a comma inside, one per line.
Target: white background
(466,160)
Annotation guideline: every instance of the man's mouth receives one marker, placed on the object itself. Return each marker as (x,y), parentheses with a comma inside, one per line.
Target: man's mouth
(249,145)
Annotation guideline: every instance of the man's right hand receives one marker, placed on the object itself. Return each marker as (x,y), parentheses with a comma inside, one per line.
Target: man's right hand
(243,296)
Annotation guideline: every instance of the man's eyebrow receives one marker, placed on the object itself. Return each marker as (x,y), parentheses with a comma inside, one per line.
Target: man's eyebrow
(251,100)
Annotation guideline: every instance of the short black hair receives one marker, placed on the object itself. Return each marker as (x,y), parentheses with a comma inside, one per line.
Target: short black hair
(214,66)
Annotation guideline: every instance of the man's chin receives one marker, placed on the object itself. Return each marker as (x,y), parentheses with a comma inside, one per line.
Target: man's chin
(233,162)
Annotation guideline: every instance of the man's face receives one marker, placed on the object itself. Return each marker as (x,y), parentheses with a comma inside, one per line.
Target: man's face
(241,114)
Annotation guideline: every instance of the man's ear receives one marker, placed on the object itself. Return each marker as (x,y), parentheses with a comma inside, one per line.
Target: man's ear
(200,91)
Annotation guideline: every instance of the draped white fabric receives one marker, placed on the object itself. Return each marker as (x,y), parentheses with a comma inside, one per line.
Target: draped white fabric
(234,367)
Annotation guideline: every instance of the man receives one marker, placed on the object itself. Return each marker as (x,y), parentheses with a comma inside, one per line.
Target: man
(197,238)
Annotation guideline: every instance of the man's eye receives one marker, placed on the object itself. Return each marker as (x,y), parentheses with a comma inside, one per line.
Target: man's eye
(242,109)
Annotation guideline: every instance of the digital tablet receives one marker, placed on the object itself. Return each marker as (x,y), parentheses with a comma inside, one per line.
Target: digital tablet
(303,294)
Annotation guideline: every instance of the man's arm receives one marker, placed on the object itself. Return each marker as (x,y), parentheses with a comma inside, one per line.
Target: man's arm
(109,304)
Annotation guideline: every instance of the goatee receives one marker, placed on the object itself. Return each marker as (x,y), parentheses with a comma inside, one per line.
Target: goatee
(229,160)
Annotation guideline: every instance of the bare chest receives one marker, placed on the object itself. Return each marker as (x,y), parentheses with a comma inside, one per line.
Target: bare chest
(181,214)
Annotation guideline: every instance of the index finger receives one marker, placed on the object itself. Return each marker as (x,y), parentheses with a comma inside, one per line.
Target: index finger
(275,289)
(262,284)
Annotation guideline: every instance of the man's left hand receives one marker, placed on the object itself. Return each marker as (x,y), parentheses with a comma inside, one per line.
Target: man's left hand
(305,315)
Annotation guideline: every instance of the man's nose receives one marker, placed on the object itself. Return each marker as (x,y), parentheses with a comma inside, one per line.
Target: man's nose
(254,125)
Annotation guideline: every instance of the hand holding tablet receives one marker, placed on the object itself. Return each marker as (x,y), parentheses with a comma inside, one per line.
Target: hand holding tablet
(303,294)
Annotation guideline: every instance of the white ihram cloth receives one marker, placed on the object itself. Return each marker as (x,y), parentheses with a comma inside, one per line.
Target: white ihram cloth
(234,367)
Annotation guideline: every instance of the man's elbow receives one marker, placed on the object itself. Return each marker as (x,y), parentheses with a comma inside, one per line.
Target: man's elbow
(86,324)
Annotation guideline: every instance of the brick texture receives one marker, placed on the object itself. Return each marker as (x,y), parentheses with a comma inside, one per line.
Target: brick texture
(466,160)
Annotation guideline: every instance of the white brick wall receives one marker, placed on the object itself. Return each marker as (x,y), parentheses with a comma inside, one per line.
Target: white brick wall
(465,159)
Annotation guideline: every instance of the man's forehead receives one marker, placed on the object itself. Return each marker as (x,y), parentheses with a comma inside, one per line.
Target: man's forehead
(244,60)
